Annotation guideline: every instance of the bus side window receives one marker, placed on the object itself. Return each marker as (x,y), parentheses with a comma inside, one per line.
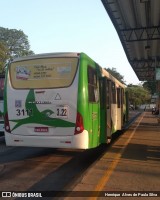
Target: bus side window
(93,92)
(108,94)
(1,94)
(122,96)
(118,97)
(113,90)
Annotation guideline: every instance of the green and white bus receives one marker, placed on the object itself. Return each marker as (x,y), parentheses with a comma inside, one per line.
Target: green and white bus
(61,100)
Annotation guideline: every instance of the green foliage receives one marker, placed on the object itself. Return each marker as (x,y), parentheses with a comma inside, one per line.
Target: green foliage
(116,74)
(151,86)
(3,56)
(138,95)
(15,42)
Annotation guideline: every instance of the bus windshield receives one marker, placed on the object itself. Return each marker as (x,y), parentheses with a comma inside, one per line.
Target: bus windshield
(43,73)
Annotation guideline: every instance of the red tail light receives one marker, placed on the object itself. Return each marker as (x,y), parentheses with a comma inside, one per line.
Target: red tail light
(79,124)
(6,122)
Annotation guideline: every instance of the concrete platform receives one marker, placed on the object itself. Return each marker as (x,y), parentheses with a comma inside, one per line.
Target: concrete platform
(131,166)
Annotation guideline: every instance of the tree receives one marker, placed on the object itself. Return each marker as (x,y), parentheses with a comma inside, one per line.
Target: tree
(3,56)
(151,86)
(16,42)
(138,95)
(116,74)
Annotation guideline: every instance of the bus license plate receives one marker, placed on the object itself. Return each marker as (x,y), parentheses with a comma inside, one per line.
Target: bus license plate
(62,111)
(40,129)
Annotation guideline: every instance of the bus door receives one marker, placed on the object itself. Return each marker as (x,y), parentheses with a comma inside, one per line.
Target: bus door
(2,77)
(108,109)
(122,107)
(93,97)
(105,106)
(119,109)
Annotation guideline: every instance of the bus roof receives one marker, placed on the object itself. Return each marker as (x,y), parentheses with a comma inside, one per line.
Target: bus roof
(46,55)
(107,74)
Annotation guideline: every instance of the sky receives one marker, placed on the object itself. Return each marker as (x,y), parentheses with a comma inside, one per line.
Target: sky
(69,26)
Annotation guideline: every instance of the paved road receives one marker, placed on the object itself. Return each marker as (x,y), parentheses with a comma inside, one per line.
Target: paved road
(44,169)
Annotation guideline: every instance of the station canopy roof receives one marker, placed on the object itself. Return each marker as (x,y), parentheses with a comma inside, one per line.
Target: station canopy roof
(137,23)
